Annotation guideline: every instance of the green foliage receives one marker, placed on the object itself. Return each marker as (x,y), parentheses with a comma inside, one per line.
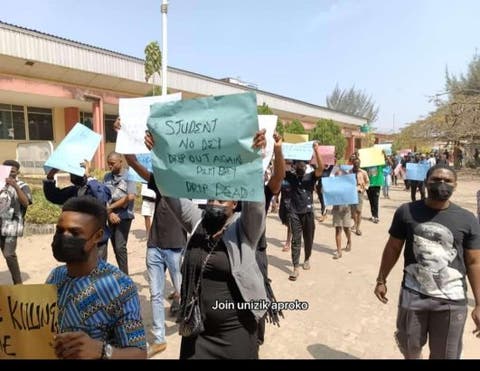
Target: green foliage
(41,211)
(328,133)
(468,84)
(280,128)
(353,102)
(153,60)
(294,127)
(264,109)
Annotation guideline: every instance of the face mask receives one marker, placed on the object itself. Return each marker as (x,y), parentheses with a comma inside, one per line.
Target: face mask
(300,172)
(214,218)
(69,249)
(440,191)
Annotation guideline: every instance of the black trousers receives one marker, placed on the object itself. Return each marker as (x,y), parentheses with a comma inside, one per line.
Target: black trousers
(301,224)
(119,240)
(373,194)
(414,185)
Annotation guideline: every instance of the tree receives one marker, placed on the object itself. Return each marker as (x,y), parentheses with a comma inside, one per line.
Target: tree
(353,102)
(468,84)
(328,133)
(153,63)
(264,109)
(294,127)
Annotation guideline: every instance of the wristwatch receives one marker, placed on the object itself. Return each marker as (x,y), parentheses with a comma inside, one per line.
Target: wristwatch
(107,351)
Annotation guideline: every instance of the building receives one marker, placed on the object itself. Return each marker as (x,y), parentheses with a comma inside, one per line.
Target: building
(48,83)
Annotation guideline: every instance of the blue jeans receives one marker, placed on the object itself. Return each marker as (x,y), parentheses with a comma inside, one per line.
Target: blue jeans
(158,260)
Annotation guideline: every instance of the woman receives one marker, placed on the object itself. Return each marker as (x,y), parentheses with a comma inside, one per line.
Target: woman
(220,261)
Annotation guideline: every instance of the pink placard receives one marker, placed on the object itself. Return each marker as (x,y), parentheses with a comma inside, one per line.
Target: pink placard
(327,153)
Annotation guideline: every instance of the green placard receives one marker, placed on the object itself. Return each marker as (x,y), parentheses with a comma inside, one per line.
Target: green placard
(375,174)
(203,148)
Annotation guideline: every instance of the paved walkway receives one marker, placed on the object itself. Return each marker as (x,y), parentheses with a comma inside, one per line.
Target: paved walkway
(343,320)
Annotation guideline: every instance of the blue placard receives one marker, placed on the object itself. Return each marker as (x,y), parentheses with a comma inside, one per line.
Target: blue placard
(80,144)
(340,190)
(146,160)
(298,151)
(417,171)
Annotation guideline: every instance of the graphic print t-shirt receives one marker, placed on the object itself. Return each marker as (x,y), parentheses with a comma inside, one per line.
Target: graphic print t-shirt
(434,245)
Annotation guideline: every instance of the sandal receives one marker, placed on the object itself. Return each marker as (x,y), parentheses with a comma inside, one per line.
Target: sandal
(336,255)
(358,232)
(348,247)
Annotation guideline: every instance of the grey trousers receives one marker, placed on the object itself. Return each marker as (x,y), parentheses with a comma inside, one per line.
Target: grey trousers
(9,246)
(439,322)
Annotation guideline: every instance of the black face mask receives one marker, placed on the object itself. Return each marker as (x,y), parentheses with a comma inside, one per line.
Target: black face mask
(440,191)
(214,218)
(69,249)
(300,172)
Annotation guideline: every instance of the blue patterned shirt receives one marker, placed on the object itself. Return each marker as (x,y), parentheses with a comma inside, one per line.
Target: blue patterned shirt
(104,304)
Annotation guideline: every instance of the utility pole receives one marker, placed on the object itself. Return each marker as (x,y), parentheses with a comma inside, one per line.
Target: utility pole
(164,46)
(393,122)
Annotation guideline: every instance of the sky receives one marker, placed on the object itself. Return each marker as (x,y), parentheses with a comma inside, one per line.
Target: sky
(396,51)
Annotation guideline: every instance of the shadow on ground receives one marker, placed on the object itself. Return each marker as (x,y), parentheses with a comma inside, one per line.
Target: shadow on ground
(321,351)
(6,278)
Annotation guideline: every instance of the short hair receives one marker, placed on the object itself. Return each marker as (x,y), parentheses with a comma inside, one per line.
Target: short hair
(299,162)
(88,205)
(12,163)
(114,154)
(441,166)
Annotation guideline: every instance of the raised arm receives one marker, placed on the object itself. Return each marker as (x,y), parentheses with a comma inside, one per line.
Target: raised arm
(275,182)
(318,158)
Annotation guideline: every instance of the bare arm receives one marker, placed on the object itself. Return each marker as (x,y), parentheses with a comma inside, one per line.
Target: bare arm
(472,262)
(22,197)
(137,166)
(390,256)
(320,166)
(78,345)
(275,183)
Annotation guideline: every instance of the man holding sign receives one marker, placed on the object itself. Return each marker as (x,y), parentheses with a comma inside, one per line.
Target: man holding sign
(301,215)
(11,220)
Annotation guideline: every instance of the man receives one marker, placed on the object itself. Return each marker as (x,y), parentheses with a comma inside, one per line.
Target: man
(81,185)
(12,219)
(120,207)
(165,242)
(442,246)
(363,182)
(99,313)
(301,217)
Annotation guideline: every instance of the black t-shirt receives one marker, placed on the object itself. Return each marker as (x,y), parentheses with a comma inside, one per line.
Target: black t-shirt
(166,232)
(301,195)
(434,248)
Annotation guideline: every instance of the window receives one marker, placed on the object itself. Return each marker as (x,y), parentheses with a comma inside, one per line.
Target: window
(110,134)
(12,122)
(86,119)
(40,123)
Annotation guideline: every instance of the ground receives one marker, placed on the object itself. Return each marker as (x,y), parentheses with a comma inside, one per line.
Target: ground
(344,319)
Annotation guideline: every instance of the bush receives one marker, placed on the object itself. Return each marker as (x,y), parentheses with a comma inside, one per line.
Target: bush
(41,211)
